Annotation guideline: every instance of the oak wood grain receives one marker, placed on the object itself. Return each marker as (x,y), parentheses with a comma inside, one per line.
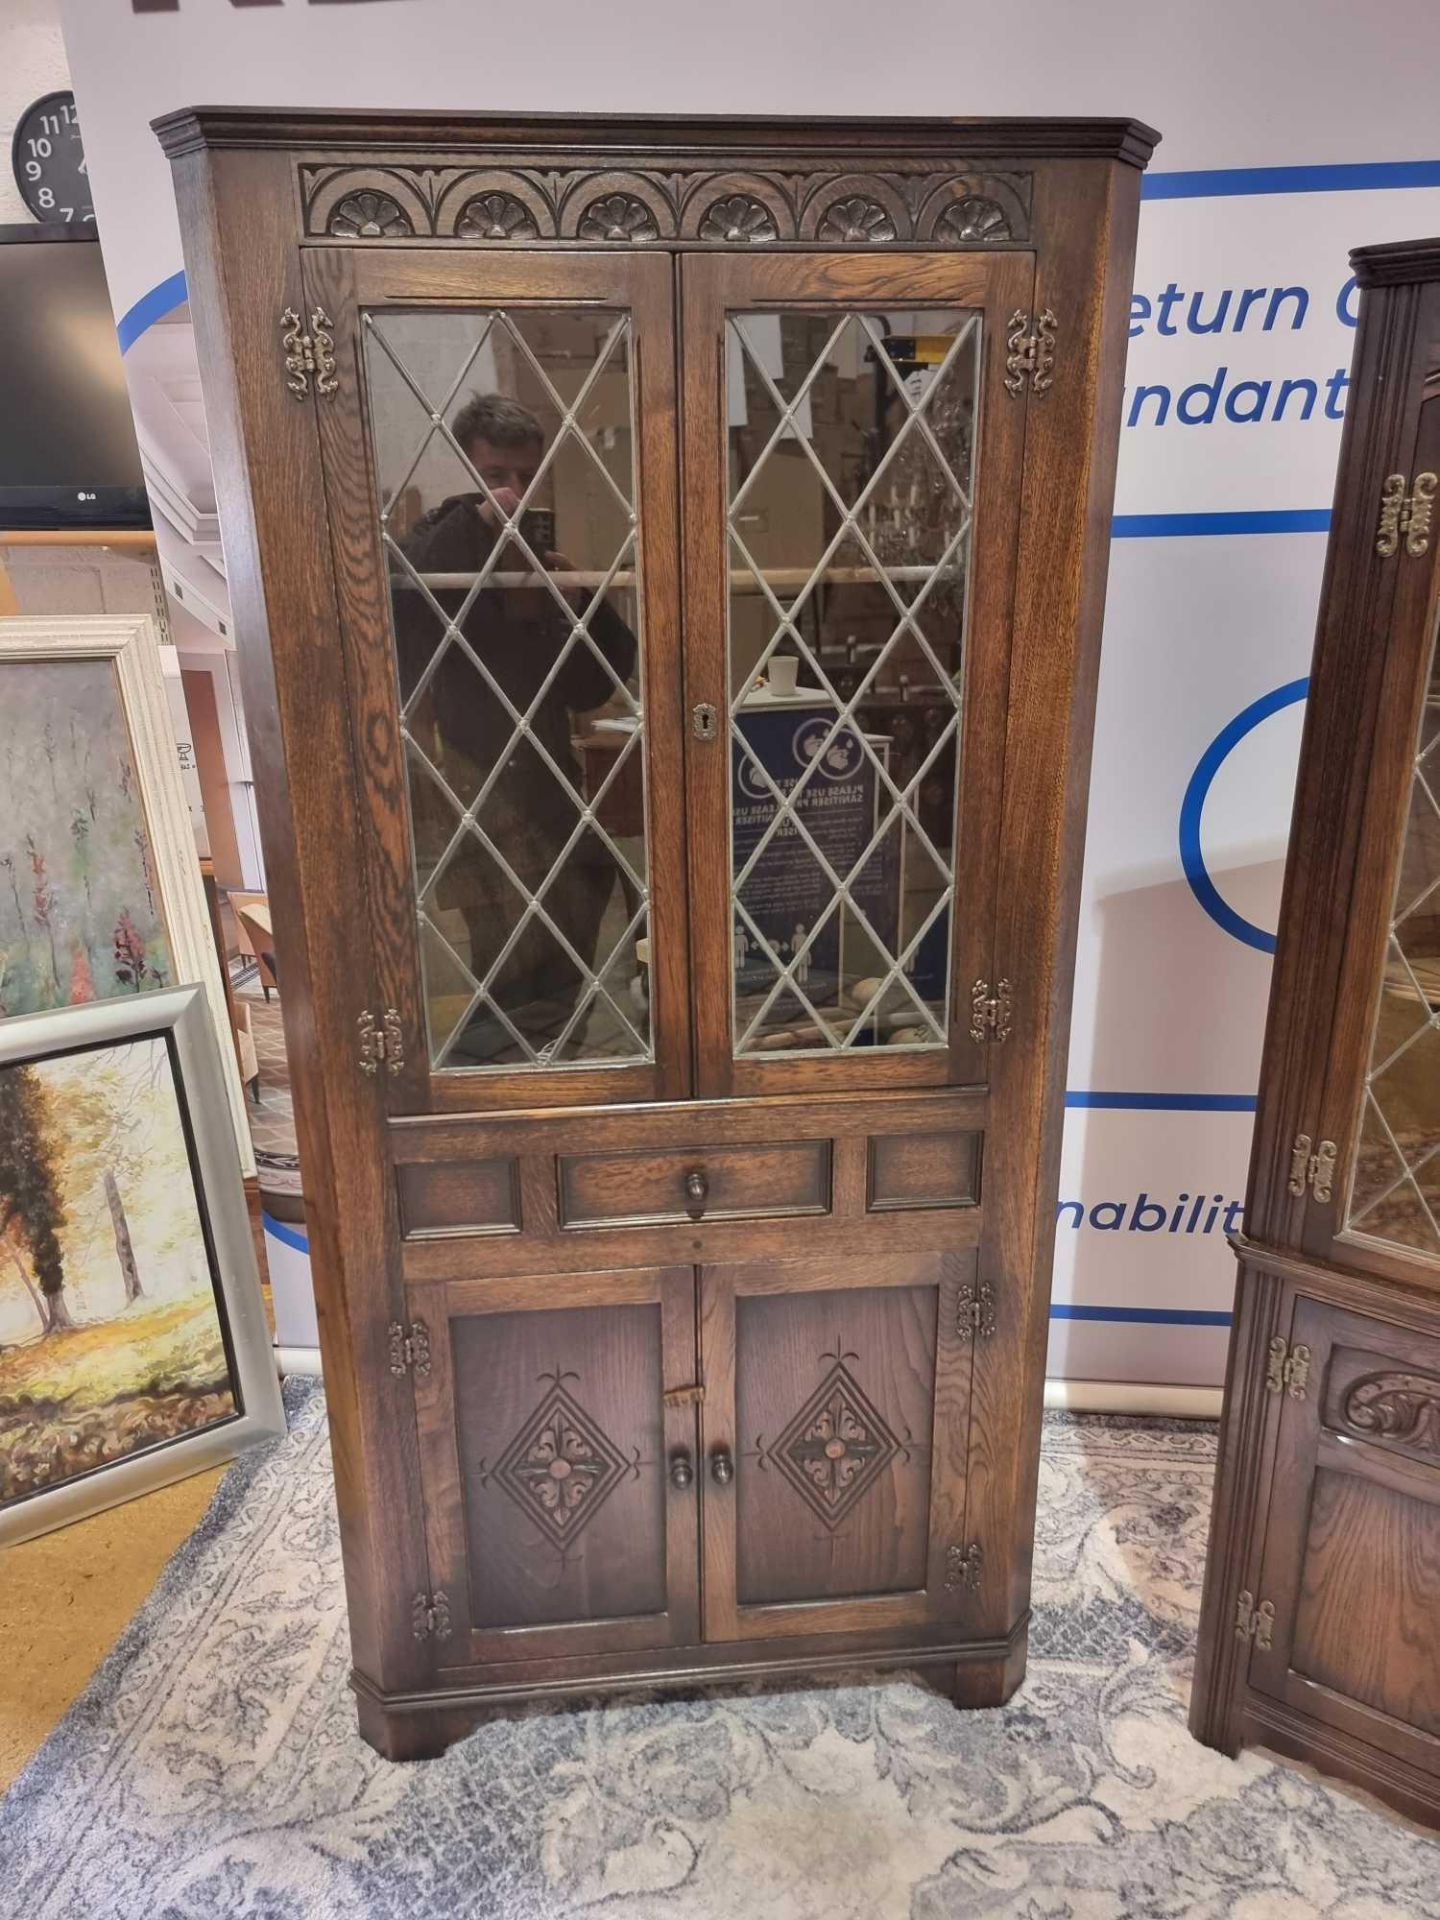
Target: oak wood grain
(1327,1499)
(534,1207)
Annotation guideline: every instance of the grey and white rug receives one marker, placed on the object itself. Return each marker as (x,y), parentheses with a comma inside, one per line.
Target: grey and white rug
(213,1768)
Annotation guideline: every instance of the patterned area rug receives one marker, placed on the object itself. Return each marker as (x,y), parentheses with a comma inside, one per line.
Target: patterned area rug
(213,1767)
(272,1118)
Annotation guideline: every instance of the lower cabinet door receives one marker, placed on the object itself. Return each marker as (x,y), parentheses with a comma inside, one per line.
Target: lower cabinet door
(835,1430)
(558,1446)
(1345,1623)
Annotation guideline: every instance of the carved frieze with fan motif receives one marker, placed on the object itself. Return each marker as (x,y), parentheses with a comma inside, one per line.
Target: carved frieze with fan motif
(528,204)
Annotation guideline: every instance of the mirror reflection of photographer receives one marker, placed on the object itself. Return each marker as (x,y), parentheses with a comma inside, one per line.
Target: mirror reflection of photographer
(461,723)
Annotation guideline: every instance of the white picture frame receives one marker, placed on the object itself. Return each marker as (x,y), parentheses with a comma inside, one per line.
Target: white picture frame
(128,642)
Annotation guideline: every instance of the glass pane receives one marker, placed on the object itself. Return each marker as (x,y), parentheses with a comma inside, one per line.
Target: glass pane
(503,448)
(851,473)
(1395,1181)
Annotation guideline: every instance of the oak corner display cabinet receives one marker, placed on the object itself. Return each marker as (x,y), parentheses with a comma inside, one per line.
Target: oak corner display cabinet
(668,558)
(1320,1630)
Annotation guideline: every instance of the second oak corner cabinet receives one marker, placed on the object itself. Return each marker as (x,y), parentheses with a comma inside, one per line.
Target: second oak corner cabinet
(668,559)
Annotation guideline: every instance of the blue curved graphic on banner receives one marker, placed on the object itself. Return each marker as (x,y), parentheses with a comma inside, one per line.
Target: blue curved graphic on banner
(1192,809)
(149,308)
(287,1235)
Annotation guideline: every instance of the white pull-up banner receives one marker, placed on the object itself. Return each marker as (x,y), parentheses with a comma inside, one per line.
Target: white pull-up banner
(1291,134)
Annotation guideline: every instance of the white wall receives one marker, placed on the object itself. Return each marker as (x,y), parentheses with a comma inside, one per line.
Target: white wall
(1205,628)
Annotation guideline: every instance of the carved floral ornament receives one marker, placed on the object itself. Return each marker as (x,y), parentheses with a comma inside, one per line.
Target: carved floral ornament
(495,216)
(1398,1406)
(613,206)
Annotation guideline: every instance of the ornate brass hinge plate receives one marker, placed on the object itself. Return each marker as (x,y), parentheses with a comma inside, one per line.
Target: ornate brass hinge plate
(989,1013)
(1253,1624)
(1409,516)
(430,1615)
(308,354)
(1313,1170)
(964,1566)
(1030,361)
(381,1041)
(975,1311)
(409,1348)
(1287,1368)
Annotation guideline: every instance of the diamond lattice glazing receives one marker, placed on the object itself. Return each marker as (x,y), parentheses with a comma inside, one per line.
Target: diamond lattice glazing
(849,523)
(499,439)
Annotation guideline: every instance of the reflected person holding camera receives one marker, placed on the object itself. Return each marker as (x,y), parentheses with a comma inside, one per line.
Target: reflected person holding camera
(518,634)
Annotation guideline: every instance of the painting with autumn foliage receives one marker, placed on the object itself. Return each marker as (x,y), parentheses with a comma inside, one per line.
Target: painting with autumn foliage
(80,915)
(111,1339)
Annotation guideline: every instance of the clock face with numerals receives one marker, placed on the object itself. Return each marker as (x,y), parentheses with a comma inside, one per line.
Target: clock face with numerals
(49,162)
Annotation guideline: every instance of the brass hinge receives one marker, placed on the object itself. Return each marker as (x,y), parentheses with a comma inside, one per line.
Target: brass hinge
(409,1348)
(989,1013)
(964,1565)
(975,1311)
(1031,359)
(430,1615)
(1410,516)
(307,353)
(381,1040)
(1287,1368)
(1254,1624)
(1314,1170)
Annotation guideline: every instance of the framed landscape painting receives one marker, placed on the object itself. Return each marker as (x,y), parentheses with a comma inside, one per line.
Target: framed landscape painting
(133,1343)
(100,890)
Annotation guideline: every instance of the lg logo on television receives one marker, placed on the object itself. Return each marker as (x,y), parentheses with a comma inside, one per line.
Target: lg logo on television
(85,496)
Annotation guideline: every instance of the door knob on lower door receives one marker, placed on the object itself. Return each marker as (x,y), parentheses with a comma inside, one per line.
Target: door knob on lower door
(697,1186)
(722,1467)
(682,1470)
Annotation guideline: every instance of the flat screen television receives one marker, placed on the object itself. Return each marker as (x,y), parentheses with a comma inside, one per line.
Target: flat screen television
(68,457)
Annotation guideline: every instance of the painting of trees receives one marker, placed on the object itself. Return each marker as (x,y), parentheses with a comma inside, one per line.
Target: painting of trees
(110,1334)
(31,1208)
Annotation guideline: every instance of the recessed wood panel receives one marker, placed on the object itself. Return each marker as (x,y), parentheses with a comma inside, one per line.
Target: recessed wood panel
(1368,1623)
(459,1196)
(939,1169)
(562,1458)
(834,1404)
(788,1177)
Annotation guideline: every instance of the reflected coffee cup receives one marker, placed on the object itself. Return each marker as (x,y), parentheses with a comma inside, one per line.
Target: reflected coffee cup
(781,675)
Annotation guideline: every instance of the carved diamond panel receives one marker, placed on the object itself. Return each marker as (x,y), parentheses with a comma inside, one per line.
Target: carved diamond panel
(560,1468)
(835,1448)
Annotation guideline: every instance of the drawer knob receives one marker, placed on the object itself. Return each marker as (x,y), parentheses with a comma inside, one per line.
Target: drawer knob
(697,1187)
(682,1470)
(722,1467)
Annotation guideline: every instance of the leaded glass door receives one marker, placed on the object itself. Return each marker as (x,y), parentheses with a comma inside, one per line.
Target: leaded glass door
(500,465)
(1369,1171)
(853,442)
(1385,1192)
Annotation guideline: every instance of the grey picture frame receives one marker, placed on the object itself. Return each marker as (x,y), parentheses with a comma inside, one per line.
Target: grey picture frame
(181,1015)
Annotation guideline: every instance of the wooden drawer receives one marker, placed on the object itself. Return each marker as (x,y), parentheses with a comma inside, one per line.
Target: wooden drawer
(694,1183)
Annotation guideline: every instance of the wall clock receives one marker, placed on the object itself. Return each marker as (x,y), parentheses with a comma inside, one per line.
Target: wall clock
(49,161)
